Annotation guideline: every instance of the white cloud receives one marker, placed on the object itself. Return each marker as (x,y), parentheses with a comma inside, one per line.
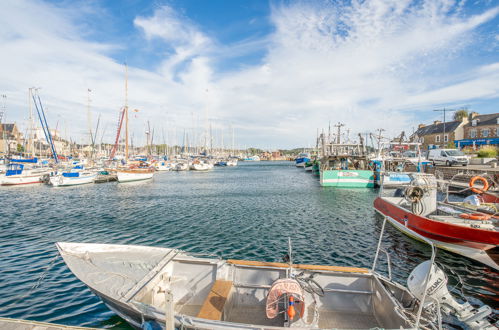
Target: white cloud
(364,64)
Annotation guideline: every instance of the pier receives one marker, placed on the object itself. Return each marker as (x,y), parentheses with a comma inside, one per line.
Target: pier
(16,324)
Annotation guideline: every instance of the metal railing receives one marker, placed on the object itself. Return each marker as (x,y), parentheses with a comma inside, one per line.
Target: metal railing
(427,277)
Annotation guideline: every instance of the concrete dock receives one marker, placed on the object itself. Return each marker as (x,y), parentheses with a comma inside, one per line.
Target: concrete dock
(15,324)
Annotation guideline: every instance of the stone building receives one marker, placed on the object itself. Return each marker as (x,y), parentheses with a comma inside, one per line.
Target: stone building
(438,134)
(480,130)
(10,137)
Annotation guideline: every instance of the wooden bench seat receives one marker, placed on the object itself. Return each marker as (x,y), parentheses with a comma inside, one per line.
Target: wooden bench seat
(214,303)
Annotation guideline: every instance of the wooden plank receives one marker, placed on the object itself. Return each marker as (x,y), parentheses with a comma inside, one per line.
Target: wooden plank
(214,303)
(298,266)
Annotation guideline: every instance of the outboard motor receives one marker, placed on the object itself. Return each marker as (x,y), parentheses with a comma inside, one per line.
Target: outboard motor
(422,194)
(437,292)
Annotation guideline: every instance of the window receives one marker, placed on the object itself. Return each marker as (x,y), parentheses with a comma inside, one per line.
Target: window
(437,138)
(422,138)
(497,131)
(485,132)
(473,133)
(473,122)
(443,154)
(446,138)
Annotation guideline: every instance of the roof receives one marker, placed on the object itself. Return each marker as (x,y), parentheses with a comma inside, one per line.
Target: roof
(7,127)
(438,128)
(485,120)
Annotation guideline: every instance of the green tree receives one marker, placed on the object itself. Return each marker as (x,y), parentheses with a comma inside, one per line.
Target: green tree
(20,148)
(460,114)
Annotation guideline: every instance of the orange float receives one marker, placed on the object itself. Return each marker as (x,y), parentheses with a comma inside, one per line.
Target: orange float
(477,190)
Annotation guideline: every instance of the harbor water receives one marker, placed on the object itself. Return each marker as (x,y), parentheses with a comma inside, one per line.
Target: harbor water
(243,212)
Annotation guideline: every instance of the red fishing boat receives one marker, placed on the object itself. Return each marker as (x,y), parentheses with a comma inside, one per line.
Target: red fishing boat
(414,209)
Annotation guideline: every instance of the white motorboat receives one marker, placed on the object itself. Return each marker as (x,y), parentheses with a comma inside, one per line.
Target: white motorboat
(232,162)
(134,174)
(153,287)
(162,166)
(181,166)
(201,166)
(16,174)
(72,178)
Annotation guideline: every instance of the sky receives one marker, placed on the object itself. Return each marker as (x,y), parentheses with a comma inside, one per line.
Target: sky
(273,72)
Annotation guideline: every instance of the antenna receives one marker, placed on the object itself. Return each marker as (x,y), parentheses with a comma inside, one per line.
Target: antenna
(444,110)
(338,126)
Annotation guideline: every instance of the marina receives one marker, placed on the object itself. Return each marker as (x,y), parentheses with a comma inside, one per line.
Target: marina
(249,165)
(159,213)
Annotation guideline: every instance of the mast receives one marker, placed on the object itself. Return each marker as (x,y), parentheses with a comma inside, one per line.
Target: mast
(339,126)
(126,112)
(31,148)
(89,117)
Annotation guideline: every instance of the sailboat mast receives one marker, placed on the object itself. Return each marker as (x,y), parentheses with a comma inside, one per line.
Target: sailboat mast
(31,149)
(126,112)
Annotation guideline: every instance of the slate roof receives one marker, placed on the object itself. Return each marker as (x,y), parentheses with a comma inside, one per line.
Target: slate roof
(438,128)
(7,127)
(485,120)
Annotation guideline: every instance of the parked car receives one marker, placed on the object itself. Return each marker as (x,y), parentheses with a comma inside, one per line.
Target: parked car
(448,157)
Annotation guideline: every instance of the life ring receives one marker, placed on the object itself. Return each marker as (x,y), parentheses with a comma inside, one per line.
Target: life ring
(483,180)
(475,216)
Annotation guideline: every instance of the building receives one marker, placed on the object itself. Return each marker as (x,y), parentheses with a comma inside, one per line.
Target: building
(10,137)
(438,134)
(480,130)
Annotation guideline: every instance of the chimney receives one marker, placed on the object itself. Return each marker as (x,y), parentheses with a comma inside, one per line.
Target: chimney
(473,115)
(421,126)
(436,122)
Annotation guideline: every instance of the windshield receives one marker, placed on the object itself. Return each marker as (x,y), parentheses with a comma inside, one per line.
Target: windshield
(454,153)
(410,154)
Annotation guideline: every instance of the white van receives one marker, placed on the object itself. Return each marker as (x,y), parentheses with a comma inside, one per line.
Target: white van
(448,157)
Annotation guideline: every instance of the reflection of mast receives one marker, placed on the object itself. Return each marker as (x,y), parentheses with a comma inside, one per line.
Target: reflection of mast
(126,112)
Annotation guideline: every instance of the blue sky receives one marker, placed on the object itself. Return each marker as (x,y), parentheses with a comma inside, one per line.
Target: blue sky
(274,71)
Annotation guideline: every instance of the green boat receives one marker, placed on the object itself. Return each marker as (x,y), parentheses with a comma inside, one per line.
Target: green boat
(346,165)
(316,168)
(347,178)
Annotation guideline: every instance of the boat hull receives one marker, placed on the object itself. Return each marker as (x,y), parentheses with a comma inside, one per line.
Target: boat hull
(129,176)
(347,178)
(300,162)
(15,180)
(474,243)
(61,181)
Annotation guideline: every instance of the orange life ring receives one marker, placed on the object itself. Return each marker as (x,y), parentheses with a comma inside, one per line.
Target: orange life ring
(475,216)
(483,180)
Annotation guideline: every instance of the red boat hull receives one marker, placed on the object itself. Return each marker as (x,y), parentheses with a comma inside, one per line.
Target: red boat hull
(439,231)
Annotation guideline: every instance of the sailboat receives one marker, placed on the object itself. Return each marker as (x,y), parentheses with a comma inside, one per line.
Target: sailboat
(133,172)
(17,174)
(22,171)
(74,177)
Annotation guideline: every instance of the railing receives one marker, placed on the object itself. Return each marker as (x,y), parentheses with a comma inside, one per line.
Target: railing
(433,255)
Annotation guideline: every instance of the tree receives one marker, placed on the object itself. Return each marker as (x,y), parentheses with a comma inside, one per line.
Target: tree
(460,114)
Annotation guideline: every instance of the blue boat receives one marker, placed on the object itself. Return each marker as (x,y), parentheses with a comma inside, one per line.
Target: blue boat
(302,159)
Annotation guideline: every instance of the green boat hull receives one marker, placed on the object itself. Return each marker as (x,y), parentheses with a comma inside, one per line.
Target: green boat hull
(347,178)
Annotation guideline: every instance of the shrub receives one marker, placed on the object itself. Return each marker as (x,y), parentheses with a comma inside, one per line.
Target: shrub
(487,152)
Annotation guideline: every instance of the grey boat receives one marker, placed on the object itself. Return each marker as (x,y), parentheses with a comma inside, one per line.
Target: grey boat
(166,288)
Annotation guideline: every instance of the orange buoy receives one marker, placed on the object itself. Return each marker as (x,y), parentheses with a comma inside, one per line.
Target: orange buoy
(291,308)
(475,216)
(477,190)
